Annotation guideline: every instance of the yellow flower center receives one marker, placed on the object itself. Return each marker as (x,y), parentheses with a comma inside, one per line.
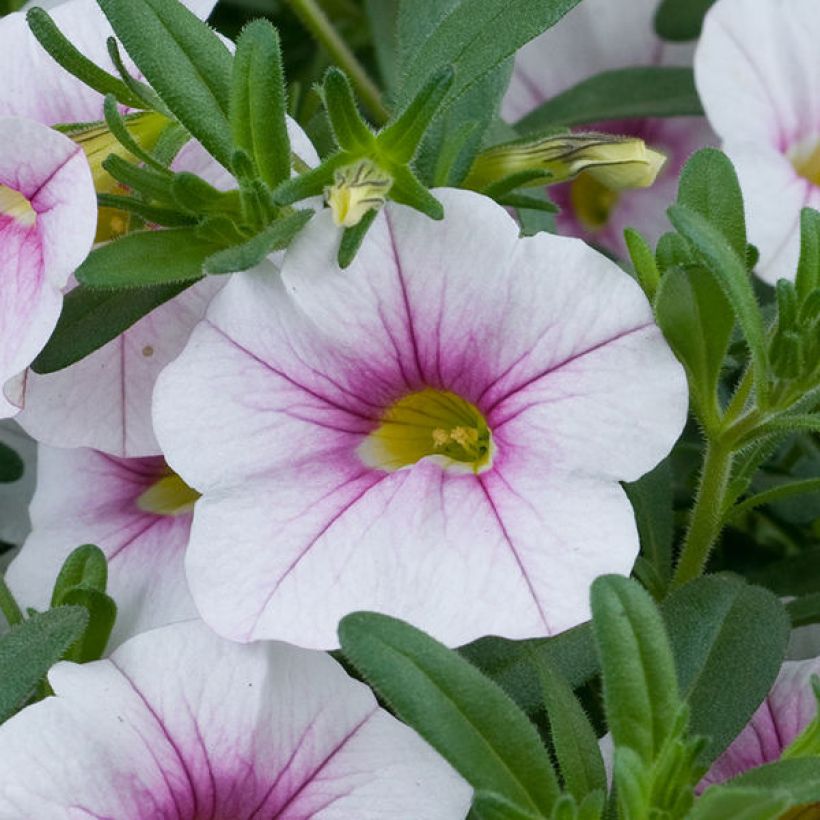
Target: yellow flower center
(170,495)
(15,205)
(805,158)
(592,201)
(356,190)
(430,424)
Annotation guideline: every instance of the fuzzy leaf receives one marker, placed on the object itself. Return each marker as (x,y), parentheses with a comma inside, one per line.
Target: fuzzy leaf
(11,465)
(85,567)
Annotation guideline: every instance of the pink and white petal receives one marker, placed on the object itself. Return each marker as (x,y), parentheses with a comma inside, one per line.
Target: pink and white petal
(757,70)
(35,86)
(104,400)
(458,556)
(38,253)
(180,722)
(595,36)
(596,390)
(773,221)
(788,708)
(84,496)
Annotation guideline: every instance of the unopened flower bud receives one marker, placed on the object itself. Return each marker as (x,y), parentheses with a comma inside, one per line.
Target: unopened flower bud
(357,189)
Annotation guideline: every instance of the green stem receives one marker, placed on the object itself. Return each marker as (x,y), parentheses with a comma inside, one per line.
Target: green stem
(707,514)
(8,606)
(316,21)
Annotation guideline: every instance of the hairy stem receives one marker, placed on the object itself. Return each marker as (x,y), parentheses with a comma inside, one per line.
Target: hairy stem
(316,21)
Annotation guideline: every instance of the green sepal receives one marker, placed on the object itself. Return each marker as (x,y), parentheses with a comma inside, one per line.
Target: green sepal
(808,267)
(697,321)
(11,465)
(258,106)
(184,61)
(66,55)
(522,179)
(147,258)
(91,318)
(276,236)
(29,649)
(352,239)
(401,139)
(349,128)
(408,190)
(102,613)
(310,183)
(85,567)
(643,261)
(528,203)
(466,717)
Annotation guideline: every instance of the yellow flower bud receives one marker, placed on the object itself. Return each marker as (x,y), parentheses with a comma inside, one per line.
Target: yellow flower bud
(615,162)
(357,189)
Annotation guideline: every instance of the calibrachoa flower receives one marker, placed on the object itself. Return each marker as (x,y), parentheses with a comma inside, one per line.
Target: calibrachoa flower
(755,68)
(436,432)
(104,400)
(178,723)
(788,708)
(598,36)
(139,514)
(47,216)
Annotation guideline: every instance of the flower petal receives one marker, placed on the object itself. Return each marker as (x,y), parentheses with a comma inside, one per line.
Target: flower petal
(84,496)
(180,723)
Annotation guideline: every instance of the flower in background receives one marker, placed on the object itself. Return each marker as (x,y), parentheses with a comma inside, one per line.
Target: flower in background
(178,723)
(137,511)
(104,400)
(786,711)
(598,36)
(436,432)
(756,69)
(47,216)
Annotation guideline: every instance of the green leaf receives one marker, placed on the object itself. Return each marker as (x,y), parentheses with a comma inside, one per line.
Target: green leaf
(401,138)
(643,261)
(184,61)
(492,806)
(681,20)
(148,213)
(456,709)
(808,268)
(29,649)
(86,567)
(474,37)
(651,498)
(66,54)
(91,318)
(573,738)
(715,625)
(276,236)
(383,15)
(11,465)
(348,126)
(697,321)
(795,575)
(102,612)
(722,802)
(408,190)
(258,107)
(709,186)
(640,683)
(625,93)
(730,272)
(805,610)
(807,743)
(787,490)
(150,182)
(147,258)
(352,239)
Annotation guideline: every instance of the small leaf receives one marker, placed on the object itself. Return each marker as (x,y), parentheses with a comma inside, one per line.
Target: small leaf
(350,130)
(147,258)
(91,318)
(640,684)
(352,239)
(11,465)
(258,106)
(407,190)
(643,261)
(625,93)
(86,567)
(184,61)
(808,268)
(681,20)
(276,236)
(29,649)
(493,806)
(455,708)
(66,54)
(150,182)
(102,612)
